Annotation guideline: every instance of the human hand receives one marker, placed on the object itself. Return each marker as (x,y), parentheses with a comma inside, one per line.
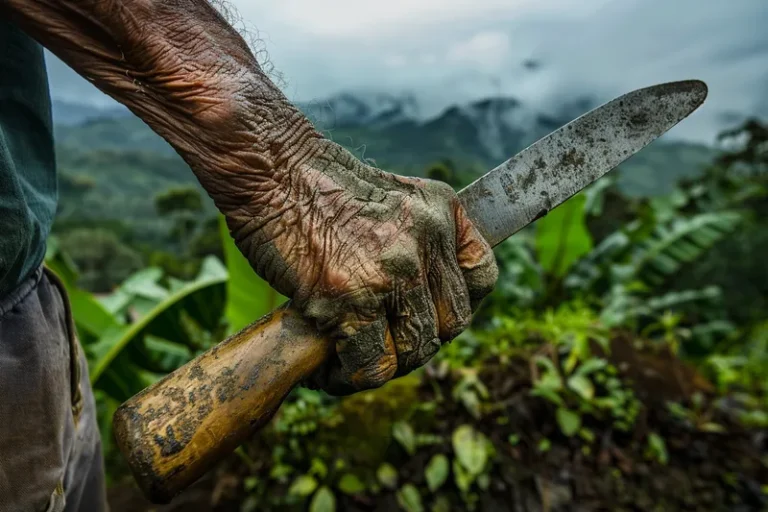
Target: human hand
(389,267)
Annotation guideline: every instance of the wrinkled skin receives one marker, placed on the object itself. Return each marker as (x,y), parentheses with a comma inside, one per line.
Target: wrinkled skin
(389,267)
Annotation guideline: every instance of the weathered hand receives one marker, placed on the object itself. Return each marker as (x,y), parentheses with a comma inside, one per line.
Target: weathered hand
(389,267)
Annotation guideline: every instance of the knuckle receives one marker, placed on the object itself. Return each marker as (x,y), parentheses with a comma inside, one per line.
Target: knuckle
(436,222)
(455,324)
(374,376)
(401,261)
(367,354)
(441,189)
(481,280)
(424,350)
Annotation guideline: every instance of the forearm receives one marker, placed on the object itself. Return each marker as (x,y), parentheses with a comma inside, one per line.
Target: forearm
(179,66)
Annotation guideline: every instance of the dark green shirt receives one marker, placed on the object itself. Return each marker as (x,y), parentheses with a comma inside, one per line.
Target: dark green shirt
(28,190)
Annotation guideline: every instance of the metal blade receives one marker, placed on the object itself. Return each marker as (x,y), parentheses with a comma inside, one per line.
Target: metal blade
(544,175)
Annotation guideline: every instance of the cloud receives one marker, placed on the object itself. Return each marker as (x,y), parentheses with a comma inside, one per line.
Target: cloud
(486,50)
(395,61)
(449,51)
(355,18)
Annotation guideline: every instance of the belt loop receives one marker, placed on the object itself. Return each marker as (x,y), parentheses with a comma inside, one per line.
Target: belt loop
(74,346)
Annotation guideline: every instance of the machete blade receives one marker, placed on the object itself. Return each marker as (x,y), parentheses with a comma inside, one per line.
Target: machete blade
(547,173)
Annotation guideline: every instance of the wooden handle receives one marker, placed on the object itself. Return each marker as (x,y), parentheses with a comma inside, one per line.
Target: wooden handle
(175,430)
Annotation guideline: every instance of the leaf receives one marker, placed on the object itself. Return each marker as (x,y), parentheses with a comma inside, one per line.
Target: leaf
(250,483)
(471,403)
(280,471)
(680,242)
(569,421)
(144,284)
(443,504)
(116,338)
(591,365)
(323,501)
(471,449)
(350,484)
(409,499)
(387,475)
(657,448)
(60,263)
(404,435)
(165,354)
(712,427)
(547,393)
(462,477)
(89,314)
(436,471)
(562,236)
(318,467)
(303,486)
(582,385)
(550,378)
(248,296)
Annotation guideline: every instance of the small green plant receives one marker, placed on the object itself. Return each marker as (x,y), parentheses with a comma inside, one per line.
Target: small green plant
(698,416)
(656,449)
(473,458)
(591,388)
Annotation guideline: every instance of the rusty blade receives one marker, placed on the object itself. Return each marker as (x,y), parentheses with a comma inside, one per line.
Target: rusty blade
(547,173)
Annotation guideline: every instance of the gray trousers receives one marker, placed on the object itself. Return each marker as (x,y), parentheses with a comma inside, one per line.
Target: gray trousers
(50,449)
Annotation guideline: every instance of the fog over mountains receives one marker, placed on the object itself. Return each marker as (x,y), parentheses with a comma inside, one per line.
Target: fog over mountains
(491,129)
(546,54)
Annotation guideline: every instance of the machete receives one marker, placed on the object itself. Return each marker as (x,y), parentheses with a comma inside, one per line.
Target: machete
(175,430)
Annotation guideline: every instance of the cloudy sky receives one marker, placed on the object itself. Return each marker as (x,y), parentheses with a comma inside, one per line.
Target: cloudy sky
(542,51)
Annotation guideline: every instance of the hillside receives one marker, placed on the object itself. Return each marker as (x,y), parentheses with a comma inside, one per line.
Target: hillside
(113,165)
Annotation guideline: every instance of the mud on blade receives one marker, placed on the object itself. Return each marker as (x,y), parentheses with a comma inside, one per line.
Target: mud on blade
(544,175)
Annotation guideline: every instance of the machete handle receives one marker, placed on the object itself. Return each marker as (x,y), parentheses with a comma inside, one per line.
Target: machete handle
(175,430)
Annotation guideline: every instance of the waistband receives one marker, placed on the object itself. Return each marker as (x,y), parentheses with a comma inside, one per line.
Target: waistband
(20,293)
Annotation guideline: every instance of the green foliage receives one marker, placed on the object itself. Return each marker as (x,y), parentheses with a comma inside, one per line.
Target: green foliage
(351,484)
(569,421)
(387,475)
(179,199)
(409,499)
(677,243)
(657,449)
(127,143)
(436,472)
(404,434)
(323,501)
(471,448)
(180,312)
(101,259)
(533,379)
(302,486)
(562,237)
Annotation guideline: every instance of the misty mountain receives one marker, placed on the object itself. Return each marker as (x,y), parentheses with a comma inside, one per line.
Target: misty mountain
(384,127)
(369,109)
(117,165)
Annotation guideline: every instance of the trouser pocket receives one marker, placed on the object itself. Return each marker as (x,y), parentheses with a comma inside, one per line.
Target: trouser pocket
(74,347)
(36,409)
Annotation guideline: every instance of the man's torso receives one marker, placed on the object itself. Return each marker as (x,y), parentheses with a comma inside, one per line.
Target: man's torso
(27,167)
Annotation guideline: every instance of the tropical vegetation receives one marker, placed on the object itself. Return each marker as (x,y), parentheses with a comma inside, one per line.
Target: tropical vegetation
(620,363)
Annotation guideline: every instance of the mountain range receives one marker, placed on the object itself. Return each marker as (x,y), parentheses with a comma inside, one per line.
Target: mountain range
(126,164)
